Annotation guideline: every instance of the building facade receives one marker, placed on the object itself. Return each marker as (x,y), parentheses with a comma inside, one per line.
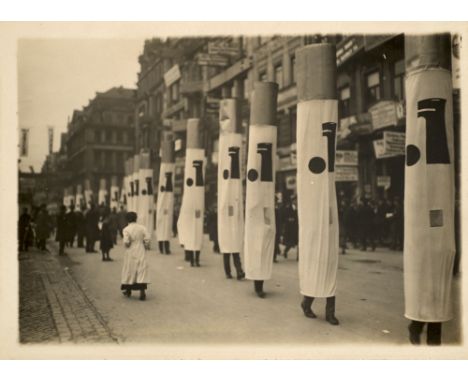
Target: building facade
(101,137)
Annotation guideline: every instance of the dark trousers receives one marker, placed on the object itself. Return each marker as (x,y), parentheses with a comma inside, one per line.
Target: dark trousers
(89,243)
(237,264)
(80,238)
(164,247)
(434,332)
(258,285)
(61,247)
(193,257)
(71,239)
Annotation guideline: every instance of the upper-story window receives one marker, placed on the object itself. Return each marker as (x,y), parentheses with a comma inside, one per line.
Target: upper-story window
(399,80)
(279,75)
(373,87)
(293,69)
(344,95)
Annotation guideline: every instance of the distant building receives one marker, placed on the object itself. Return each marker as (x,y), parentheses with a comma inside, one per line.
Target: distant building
(100,137)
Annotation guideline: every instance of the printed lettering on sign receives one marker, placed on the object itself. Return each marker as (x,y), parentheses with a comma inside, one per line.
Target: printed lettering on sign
(266,167)
(198,165)
(234,172)
(433,112)
(168,186)
(317,164)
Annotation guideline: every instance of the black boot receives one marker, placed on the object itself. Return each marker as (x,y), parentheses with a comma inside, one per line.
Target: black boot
(434,333)
(415,329)
(238,265)
(197,258)
(142,295)
(167,248)
(306,306)
(227,265)
(187,256)
(191,258)
(161,248)
(330,311)
(258,284)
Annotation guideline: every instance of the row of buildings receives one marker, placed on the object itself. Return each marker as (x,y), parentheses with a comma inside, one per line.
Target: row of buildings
(183,78)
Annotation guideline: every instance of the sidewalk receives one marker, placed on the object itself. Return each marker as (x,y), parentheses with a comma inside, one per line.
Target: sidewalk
(53,307)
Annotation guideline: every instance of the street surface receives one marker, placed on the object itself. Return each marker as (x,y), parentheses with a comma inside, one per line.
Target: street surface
(199,305)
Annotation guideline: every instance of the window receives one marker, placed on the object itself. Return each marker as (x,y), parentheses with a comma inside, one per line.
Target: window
(293,69)
(279,75)
(119,137)
(263,76)
(344,95)
(399,80)
(373,87)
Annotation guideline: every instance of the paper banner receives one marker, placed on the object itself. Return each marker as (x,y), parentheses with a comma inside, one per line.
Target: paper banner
(260,227)
(165,202)
(429,245)
(230,198)
(190,223)
(317,205)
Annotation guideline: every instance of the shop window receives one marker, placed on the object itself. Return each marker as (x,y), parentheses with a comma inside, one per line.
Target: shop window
(373,87)
(399,80)
(279,75)
(344,95)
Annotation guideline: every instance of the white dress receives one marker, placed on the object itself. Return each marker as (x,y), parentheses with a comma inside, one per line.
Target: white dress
(135,269)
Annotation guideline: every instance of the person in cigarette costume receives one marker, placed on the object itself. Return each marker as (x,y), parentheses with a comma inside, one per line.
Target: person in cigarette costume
(190,223)
(260,227)
(230,200)
(165,202)
(429,210)
(145,202)
(317,117)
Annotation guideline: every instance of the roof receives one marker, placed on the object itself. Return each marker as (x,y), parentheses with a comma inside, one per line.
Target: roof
(117,92)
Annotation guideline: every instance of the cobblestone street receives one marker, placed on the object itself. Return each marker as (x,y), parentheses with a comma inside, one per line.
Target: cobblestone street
(53,307)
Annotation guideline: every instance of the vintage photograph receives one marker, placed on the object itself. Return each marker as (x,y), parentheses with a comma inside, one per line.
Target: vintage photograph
(219,189)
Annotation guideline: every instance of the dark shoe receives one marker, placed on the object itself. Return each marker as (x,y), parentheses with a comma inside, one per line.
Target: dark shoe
(414,337)
(330,311)
(103,259)
(241,276)
(261,294)
(307,311)
(127,293)
(229,276)
(142,295)
(110,259)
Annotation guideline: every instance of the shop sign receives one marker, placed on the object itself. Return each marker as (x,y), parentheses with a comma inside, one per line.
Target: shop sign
(345,123)
(348,48)
(346,174)
(284,163)
(384,181)
(223,48)
(361,128)
(178,144)
(372,41)
(346,158)
(172,75)
(456,45)
(392,144)
(211,59)
(386,113)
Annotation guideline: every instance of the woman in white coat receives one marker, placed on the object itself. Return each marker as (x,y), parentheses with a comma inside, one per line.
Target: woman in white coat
(135,269)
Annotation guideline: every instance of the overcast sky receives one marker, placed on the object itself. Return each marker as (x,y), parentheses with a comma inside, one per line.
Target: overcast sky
(56,76)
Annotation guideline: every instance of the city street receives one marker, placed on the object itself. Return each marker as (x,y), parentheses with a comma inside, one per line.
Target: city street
(199,305)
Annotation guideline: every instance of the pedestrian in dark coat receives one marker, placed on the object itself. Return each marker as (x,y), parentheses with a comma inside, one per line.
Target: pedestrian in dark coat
(106,237)
(92,229)
(342,215)
(290,228)
(379,220)
(43,228)
(121,220)
(62,234)
(80,226)
(24,230)
(72,225)
(212,226)
(366,220)
(397,226)
(113,224)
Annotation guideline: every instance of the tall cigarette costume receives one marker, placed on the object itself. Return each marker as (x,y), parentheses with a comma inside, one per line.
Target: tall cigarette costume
(146,198)
(429,245)
(190,223)
(129,187)
(165,202)
(317,118)
(114,194)
(260,229)
(102,195)
(136,182)
(230,196)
